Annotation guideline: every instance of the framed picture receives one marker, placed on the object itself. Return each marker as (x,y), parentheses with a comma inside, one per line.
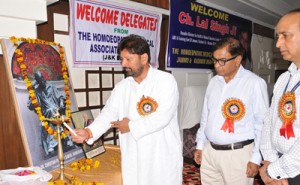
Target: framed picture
(82,119)
(41,91)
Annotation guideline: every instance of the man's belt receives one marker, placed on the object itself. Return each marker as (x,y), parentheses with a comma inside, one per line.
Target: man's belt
(232,146)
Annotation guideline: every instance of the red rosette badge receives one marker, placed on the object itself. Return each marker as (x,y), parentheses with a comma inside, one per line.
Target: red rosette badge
(233,109)
(146,106)
(287,114)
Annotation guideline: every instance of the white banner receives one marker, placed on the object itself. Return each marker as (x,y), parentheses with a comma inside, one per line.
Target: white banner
(98,26)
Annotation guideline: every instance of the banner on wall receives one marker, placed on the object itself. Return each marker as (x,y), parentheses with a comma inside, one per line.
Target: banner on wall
(98,26)
(194,29)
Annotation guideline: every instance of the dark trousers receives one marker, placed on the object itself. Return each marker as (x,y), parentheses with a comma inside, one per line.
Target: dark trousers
(295,180)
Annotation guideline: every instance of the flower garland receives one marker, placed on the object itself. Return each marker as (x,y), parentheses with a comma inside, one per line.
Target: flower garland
(23,68)
(74,181)
(82,165)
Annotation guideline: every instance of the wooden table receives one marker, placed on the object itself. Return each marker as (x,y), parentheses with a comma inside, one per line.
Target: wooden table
(109,171)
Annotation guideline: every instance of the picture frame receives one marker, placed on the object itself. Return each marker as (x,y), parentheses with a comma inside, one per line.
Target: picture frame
(38,136)
(82,119)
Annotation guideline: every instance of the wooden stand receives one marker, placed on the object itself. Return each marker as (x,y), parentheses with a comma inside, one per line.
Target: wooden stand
(21,137)
(12,152)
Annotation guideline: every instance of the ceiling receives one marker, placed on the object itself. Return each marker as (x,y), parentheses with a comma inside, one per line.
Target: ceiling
(49,2)
(265,12)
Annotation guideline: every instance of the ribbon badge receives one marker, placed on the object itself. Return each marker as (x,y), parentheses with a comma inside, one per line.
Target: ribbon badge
(287,114)
(146,106)
(233,109)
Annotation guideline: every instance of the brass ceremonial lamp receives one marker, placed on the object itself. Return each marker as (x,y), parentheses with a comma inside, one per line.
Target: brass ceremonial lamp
(58,121)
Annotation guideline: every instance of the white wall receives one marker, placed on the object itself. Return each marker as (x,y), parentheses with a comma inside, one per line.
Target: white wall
(262,57)
(16,20)
(19,17)
(34,10)
(191,77)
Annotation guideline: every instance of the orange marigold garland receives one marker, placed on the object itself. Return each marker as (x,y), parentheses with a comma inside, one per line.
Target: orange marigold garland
(82,165)
(85,164)
(31,91)
(74,181)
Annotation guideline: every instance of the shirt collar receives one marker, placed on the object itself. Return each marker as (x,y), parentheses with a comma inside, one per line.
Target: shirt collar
(149,74)
(293,69)
(239,73)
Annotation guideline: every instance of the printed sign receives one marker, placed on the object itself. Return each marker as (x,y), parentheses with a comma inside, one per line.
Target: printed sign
(194,30)
(98,26)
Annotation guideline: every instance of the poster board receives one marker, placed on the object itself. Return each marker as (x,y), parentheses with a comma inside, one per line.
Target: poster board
(82,119)
(96,28)
(40,60)
(195,28)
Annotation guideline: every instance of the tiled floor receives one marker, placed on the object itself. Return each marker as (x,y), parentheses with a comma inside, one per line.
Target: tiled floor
(191,175)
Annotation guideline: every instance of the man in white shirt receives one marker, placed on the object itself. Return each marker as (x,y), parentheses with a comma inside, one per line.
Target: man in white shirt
(280,144)
(232,118)
(143,107)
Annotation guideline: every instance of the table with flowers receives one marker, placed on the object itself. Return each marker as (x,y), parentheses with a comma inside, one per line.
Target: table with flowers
(104,169)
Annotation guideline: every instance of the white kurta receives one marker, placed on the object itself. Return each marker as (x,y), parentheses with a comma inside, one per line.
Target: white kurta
(152,150)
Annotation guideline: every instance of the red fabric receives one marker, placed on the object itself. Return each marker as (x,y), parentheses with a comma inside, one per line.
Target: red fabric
(287,130)
(228,124)
(39,57)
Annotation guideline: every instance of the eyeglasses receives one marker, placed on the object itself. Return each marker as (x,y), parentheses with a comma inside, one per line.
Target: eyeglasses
(222,62)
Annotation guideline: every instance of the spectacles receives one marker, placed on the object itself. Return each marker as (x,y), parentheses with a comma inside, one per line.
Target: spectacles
(222,62)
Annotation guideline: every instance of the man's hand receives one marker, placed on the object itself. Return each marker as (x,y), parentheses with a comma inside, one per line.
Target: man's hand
(81,135)
(279,182)
(266,179)
(263,173)
(198,156)
(121,125)
(252,169)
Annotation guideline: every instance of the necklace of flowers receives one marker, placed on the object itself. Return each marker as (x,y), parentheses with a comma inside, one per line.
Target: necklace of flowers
(82,165)
(23,68)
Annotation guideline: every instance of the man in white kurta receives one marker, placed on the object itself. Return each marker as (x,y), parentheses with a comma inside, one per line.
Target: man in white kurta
(151,149)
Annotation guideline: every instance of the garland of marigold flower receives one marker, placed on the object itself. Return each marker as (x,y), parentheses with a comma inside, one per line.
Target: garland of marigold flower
(31,91)
(82,165)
